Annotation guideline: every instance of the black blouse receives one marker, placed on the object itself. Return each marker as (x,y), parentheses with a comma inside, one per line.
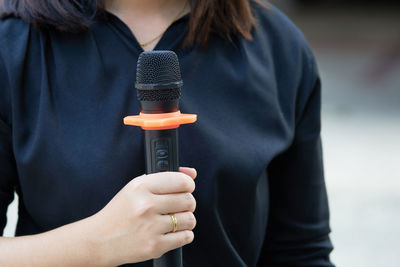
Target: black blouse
(261,197)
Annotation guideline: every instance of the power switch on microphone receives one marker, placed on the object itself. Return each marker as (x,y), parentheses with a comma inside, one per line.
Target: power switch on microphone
(161,150)
(162,165)
(162,159)
(162,154)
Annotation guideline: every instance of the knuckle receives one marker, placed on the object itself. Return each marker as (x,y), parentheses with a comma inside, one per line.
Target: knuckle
(153,248)
(188,197)
(192,220)
(186,183)
(188,237)
(182,184)
(158,253)
(194,205)
(191,185)
(137,184)
(191,202)
(149,247)
(144,208)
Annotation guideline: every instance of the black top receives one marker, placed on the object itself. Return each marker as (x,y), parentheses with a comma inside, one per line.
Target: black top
(260,192)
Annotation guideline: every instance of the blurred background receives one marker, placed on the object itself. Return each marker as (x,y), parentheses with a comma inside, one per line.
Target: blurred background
(357,46)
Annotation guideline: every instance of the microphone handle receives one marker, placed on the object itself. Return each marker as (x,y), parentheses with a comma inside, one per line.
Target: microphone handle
(161,147)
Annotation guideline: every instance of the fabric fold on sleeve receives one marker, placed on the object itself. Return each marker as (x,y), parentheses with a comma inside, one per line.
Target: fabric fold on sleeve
(8,171)
(298,226)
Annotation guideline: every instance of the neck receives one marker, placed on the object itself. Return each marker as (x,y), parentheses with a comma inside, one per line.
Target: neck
(147,19)
(142,7)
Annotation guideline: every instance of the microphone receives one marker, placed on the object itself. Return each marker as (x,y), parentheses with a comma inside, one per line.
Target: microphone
(158,84)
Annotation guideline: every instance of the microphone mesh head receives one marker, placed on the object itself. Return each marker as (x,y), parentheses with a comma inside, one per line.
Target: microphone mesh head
(158,76)
(158,67)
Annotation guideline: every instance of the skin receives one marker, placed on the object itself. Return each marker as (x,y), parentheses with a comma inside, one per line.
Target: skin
(147,19)
(132,227)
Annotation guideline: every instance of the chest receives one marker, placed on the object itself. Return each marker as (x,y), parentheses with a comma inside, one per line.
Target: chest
(71,145)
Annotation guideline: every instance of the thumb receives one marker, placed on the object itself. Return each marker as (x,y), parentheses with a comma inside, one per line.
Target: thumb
(189,171)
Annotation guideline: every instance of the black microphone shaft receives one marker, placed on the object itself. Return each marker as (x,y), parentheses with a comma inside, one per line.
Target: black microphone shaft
(161,147)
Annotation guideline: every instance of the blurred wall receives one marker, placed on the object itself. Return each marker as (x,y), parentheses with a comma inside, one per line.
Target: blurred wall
(357,47)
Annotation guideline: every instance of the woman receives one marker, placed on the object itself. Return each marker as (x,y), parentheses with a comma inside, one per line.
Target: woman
(67,80)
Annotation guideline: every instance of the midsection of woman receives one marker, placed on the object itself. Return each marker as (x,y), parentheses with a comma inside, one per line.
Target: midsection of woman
(258,125)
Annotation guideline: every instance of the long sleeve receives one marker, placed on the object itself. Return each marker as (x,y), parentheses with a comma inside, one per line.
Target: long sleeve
(298,227)
(7,163)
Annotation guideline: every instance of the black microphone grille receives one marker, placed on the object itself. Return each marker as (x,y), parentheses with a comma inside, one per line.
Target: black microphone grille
(159,95)
(158,70)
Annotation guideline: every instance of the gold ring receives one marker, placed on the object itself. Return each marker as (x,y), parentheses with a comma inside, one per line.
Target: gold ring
(174,221)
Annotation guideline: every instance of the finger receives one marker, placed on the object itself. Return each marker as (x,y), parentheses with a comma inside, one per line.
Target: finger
(174,203)
(176,240)
(169,183)
(189,171)
(185,221)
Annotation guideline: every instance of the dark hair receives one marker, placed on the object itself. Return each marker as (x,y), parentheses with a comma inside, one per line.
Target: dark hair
(226,18)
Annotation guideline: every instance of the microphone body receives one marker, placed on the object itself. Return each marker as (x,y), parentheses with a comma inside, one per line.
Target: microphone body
(158,84)
(161,148)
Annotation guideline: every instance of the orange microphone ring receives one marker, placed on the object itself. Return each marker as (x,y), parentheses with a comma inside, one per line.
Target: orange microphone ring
(162,121)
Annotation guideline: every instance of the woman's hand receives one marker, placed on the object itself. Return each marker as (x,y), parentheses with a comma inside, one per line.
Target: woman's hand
(136,226)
